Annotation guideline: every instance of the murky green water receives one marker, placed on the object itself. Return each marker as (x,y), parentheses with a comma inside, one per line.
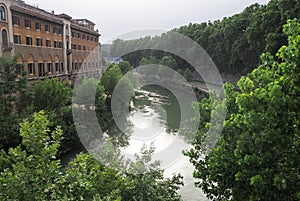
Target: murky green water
(156,118)
(157,115)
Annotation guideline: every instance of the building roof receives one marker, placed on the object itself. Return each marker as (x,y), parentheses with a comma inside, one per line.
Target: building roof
(81,24)
(22,7)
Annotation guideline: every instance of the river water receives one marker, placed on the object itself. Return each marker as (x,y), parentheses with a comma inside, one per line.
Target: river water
(156,113)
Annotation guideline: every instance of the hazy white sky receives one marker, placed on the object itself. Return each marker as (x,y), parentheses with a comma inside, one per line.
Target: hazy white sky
(115,17)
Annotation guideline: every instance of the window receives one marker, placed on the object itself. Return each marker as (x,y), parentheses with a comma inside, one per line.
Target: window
(62,67)
(73,34)
(2,13)
(79,47)
(48,43)
(47,28)
(55,31)
(79,35)
(27,23)
(16,20)
(57,67)
(92,38)
(39,42)
(4,38)
(41,69)
(59,30)
(74,46)
(31,68)
(38,25)
(83,48)
(55,44)
(49,66)
(60,44)
(17,39)
(87,37)
(83,36)
(67,30)
(28,40)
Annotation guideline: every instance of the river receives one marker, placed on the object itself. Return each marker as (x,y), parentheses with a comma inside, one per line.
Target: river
(156,113)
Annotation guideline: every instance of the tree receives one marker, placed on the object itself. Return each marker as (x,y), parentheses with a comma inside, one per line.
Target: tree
(12,85)
(145,181)
(257,156)
(54,97)
(125,67)
(110,78)
(28,172)
(31,171)
(234,43)
(51,95)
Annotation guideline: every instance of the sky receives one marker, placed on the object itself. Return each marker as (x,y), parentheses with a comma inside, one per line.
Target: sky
(117,17)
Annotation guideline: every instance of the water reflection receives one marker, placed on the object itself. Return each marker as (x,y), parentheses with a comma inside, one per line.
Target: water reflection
(155,120)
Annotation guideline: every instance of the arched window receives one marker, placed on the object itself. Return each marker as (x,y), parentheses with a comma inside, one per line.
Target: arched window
(4,38)
(2,13)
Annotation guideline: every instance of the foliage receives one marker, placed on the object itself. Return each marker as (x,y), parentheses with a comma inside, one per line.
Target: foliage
(32,172)
(145,180)
(110,78)
(12,85)
(125,67)
(54,97)
(234,43)
(51,95)
(257,156)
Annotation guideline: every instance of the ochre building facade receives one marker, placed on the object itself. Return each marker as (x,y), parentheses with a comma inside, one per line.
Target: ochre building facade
(48,44)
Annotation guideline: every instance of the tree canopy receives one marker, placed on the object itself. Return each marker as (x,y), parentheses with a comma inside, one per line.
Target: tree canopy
(257,155)
(31,171)
(234,43)
(13,84)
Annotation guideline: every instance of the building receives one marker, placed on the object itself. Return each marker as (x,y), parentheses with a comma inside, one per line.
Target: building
(48,44)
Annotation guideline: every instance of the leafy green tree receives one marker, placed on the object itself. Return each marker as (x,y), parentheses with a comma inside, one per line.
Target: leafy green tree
(125,67)
(28,172)
(145,180)
(86,179)
(257,155)
(110,78)
(51,95)
(102,103)
(12,85)
(31,171)
(234,43)
(54,97)
(169,61)
(151,60)
(82,97)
